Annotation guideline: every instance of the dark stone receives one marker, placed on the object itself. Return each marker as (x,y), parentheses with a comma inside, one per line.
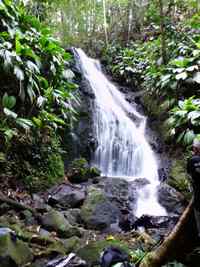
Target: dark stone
(162,173)
(39,203)
(97,211)
(171,200)
(118,191)
(73,216)
(67,195)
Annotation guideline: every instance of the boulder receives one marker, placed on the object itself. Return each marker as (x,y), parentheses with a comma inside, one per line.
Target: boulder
(91,252)
(97,211)
(13,252)
(173,201)
(67,195)
(39,204)
(56,221)
(80,171)
(73,216)
(117,191)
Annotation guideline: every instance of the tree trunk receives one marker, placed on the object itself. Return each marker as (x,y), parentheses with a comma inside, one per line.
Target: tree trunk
(105,22)
(162,30)
(181,240)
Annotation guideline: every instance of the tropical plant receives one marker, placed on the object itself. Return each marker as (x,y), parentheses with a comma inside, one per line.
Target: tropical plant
(184,121)
(41,82)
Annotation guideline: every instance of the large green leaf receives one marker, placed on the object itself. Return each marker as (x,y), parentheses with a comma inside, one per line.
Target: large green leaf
(188,137)
(8,101)
(181,62)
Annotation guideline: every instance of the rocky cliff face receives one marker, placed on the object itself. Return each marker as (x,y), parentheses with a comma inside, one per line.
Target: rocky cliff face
(80,141)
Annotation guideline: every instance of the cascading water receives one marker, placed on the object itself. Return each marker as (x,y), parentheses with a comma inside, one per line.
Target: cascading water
(122,149)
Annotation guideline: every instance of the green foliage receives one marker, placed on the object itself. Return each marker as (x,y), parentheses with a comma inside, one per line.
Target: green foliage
(32,59)
(137,255)
(37,91)
(184,121)
(141,63)
(8,101)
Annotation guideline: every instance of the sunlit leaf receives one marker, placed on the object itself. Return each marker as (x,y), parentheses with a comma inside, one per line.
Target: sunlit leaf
(182,76)
(196,77)
(24,123)
(10,113)
(19,73)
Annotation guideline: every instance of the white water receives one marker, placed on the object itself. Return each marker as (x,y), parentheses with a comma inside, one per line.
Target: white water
(122,148)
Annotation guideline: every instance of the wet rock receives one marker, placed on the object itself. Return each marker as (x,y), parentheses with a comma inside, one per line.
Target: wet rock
(139,183)
(13,252)
(171,200)
(97,211)
(55,221)
(166,223)
(162,173)
(67,195)
(117,191)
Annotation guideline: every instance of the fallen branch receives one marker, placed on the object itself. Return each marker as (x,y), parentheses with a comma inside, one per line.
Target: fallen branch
(17,205)
(176,244)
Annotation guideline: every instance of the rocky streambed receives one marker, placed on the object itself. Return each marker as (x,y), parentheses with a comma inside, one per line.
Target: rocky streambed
(82,218)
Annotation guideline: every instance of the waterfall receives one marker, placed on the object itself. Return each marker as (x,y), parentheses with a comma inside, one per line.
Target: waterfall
(122,149)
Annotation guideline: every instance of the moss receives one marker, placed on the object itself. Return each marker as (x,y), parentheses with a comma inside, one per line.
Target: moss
(80,171)
(91,252)
(178,177)
(152,105)
(47,169)
(16,250)
(71,244)
(95,197)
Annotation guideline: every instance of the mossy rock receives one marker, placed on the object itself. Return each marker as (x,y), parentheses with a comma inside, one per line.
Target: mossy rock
(178,177)
(91,252)
(94,198)
(13,250)
(55,221)
(80,171)
(98,212)
(71,244)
